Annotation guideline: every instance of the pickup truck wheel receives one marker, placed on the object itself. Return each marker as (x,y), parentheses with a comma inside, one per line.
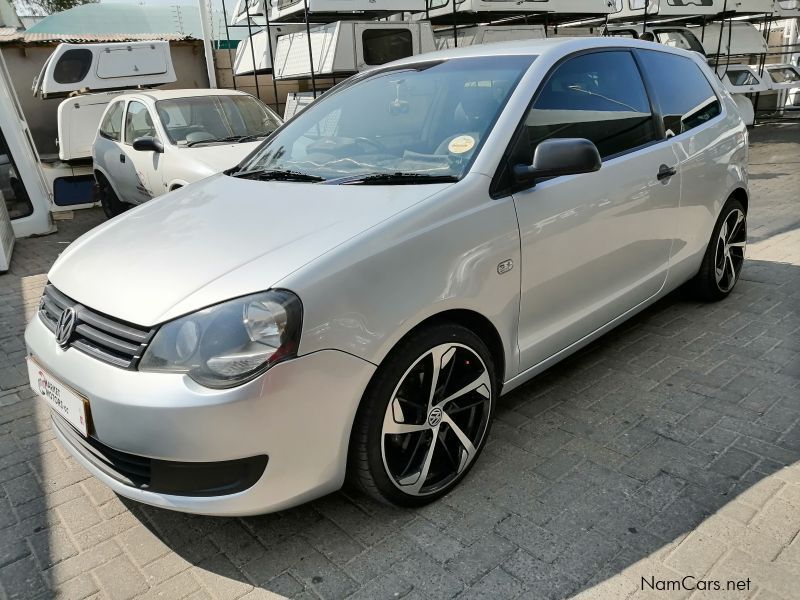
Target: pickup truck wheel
(111,204)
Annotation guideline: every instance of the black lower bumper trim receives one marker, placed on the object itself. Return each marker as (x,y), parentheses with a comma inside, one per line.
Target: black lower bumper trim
(165,476)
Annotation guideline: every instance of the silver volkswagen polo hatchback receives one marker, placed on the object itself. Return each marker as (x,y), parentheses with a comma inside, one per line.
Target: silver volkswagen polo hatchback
(354,297)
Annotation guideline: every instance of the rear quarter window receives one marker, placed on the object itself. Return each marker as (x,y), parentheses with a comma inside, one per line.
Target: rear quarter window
(111,124)
(682,92)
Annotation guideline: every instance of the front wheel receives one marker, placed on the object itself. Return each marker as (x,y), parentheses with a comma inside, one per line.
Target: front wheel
(425,417)
(109,200)
(724,257)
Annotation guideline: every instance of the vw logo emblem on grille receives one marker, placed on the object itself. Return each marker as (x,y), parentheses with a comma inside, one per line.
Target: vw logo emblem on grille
(65,327)
(435,417)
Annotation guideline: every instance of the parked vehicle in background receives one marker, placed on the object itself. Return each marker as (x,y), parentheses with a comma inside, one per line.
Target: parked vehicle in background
(353,298)
(153,142)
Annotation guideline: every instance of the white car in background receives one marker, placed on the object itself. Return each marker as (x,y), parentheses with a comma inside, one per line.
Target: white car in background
(156,141)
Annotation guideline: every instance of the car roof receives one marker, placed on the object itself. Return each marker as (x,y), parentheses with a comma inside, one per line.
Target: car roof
(559,46)
(156,95)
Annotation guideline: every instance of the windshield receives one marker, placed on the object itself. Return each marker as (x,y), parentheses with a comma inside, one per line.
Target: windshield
(425,120)
(209,119)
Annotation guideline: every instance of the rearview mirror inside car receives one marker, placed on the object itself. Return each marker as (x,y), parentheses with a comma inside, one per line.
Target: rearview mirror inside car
(554,157)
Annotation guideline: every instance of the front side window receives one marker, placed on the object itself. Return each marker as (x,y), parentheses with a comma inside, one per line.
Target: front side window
(213,119)
(423,119)
(138,122)
(597,96)
(684,95)
(73,66)
(111,126)
(385,45)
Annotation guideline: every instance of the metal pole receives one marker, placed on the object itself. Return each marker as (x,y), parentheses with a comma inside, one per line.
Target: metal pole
(644,23)
(271,56)
(205,24)
(455,30)
(762,66)
(228,36)
(721,30)
(310,53)
(252,47)
(703,31)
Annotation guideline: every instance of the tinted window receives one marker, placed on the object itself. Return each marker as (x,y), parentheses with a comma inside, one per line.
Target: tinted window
(783,75)
(73,66)
(738,78)
(597,96)
(385,45)
(685,96)
(112,122)
(138,122)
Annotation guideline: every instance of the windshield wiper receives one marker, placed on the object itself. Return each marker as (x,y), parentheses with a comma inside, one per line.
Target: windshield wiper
(393,179)
(232,138)
(253,136)
(274,175)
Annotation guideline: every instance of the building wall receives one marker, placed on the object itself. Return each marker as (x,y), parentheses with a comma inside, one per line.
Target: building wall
(25,61)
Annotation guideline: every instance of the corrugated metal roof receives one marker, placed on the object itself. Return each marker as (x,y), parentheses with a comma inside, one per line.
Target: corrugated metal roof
(112,23)
(34,38)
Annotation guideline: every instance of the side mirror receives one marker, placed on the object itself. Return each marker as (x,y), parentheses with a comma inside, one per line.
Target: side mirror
(554,157)
(148,144)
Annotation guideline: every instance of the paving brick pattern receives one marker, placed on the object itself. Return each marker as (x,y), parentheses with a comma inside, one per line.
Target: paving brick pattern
(667,449)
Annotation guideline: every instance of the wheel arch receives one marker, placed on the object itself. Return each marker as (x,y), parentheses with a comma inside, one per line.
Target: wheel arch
(99,173)
(742,196)
(477,324)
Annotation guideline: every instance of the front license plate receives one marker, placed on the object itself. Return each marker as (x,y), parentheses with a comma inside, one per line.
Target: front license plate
(61,398)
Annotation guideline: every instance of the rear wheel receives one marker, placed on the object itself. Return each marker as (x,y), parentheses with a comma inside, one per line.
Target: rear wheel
(724,257)
(425,417)
(109,200)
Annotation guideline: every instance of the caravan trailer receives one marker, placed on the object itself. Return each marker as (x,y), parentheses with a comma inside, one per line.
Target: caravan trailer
(258,45)
(674,36)
(786,9)
(320,11)
(731,39)
(633,9)
(468,10)
(346,47)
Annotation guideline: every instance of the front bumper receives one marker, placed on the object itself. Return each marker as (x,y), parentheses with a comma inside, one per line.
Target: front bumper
(299,414)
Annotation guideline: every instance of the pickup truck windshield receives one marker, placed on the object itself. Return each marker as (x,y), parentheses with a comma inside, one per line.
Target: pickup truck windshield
(203,120)
(411,124)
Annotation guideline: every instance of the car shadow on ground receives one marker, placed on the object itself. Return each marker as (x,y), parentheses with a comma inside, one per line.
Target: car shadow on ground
(601,465)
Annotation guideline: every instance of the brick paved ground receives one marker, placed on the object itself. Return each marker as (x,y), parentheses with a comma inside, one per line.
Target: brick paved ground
(668,448)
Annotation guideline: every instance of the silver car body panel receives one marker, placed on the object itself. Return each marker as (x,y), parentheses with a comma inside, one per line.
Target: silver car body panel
(370,263)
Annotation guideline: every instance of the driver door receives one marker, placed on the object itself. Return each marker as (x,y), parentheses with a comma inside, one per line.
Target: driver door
(596,245)
(140,170)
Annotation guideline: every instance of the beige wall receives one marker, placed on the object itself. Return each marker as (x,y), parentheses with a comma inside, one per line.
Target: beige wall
(25,61)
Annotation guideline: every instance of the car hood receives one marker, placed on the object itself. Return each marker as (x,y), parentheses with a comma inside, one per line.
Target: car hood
(217,239)
(216,158)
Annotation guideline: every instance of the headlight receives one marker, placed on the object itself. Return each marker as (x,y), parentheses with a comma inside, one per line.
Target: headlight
(230,343)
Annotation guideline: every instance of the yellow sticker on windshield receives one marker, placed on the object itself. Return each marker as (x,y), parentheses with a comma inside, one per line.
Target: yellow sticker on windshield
(461,144)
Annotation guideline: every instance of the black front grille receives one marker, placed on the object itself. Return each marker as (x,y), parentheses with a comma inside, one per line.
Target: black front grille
(165,476)
(113,341)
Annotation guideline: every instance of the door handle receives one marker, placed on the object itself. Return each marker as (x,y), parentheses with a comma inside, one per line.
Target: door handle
(665,172)
(122,158)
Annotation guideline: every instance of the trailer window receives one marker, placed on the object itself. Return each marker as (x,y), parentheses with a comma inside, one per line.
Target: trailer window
(111,125)
(385,45)
(738,78)
(73,66)
(783,75)
(685,96)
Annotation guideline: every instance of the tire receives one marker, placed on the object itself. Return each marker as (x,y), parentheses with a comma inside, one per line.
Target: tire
(388,457)
(724,258)
(111,204)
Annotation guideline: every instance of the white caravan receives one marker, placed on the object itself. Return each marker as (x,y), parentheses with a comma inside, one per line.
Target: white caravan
(786,9)
(346,47)
(634,9)
(335,10)
(675,36)
(483,34)
(442,10)
(90,76)
(258,46)
(731,39)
